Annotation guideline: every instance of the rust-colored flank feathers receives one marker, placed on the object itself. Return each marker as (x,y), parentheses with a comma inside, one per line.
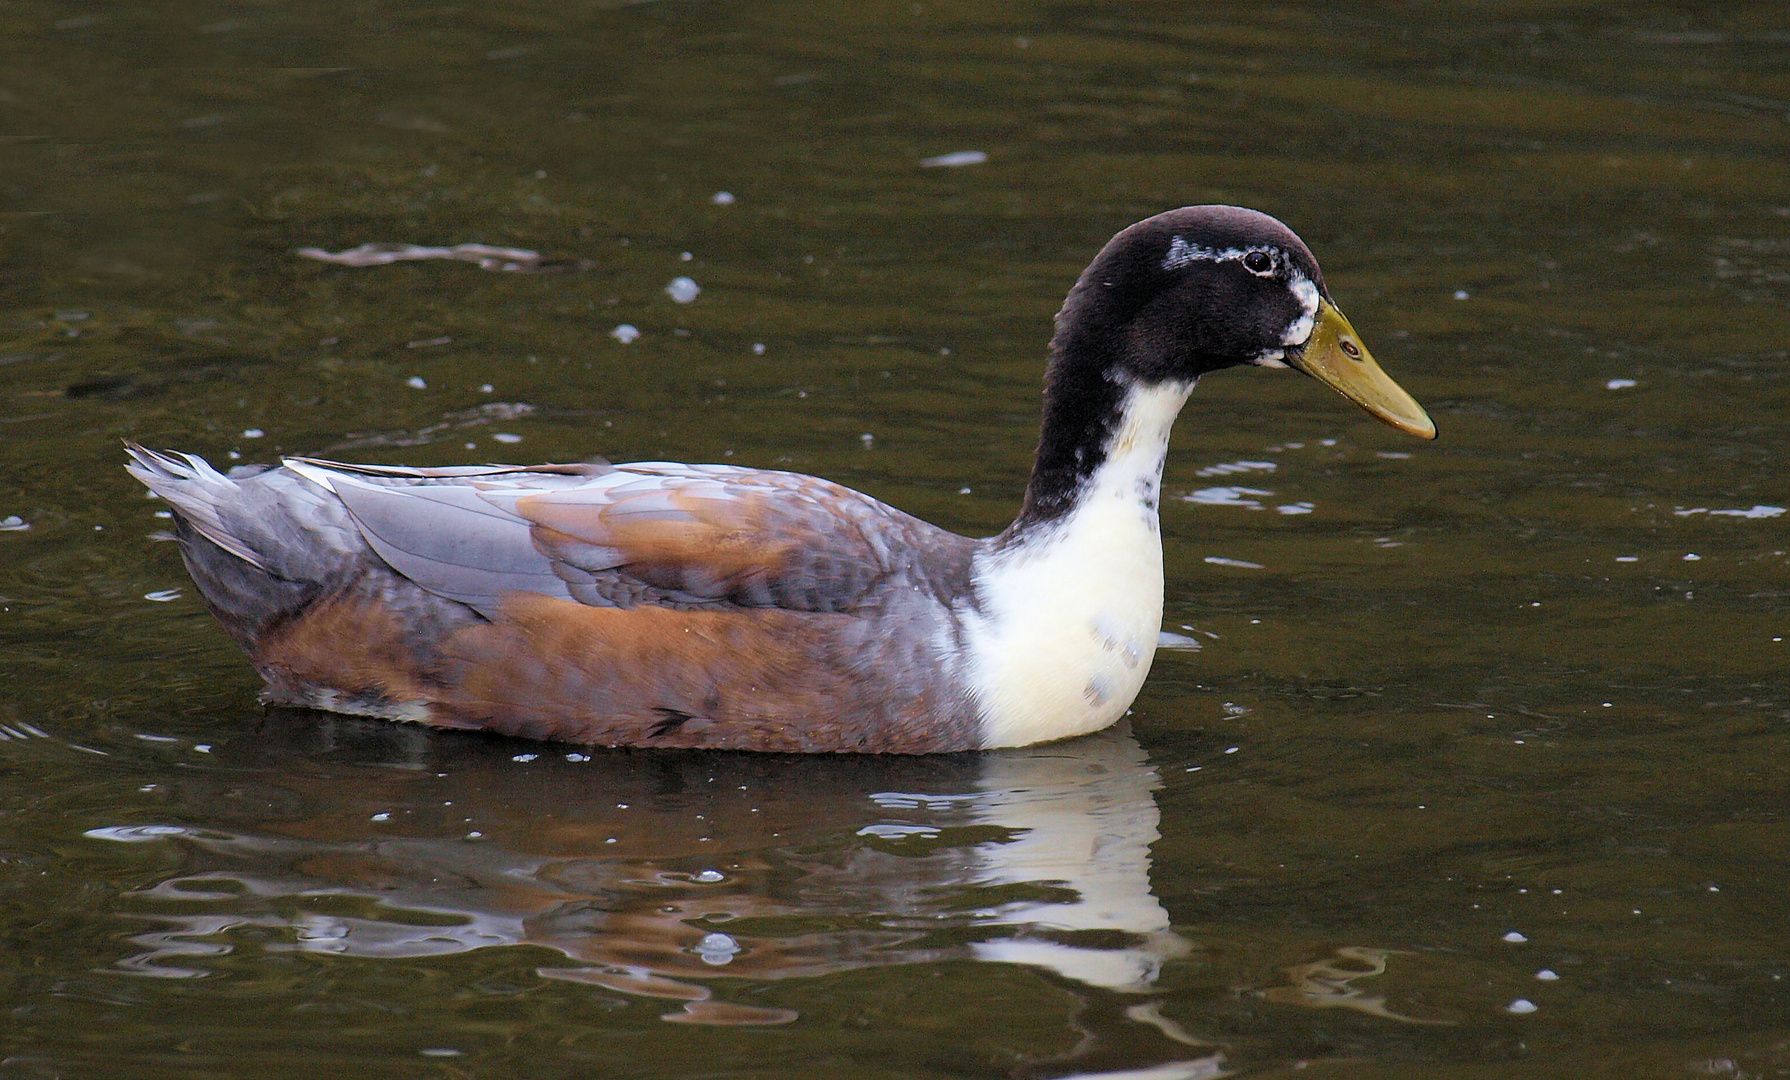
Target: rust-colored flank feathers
(762,680)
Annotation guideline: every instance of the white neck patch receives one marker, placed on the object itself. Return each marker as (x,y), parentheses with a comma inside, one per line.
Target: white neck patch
(1070,615)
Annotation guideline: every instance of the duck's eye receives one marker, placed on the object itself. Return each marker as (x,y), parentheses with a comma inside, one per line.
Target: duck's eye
(1259,263)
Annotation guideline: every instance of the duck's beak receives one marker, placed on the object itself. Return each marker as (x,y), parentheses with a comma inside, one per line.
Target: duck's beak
(1335,356)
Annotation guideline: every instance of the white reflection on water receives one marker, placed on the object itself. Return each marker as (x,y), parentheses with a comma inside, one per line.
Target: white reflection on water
(1227,496)
(1038,856)
(1088,819)
(381,254)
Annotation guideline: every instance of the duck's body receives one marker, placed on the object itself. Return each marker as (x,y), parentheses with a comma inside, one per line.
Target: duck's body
(659,604)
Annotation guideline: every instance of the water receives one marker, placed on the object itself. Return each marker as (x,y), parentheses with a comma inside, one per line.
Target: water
(1526,680)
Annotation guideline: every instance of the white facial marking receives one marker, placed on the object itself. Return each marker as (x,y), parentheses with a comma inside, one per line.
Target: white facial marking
(1300,331)
(1180,253)
(1070,616)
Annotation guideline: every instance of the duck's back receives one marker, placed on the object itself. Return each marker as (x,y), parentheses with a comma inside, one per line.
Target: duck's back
(651,604)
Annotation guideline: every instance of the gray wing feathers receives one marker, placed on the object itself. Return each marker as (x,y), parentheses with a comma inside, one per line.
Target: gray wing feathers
(450,541)
(760,538)
(534,475)
(783,539)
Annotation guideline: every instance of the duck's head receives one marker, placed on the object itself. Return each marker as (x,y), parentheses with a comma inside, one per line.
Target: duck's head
(1209,287)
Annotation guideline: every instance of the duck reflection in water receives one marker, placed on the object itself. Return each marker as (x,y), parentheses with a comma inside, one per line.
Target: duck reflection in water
(665,875)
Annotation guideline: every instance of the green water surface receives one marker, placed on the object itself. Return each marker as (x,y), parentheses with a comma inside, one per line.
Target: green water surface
(1469,712)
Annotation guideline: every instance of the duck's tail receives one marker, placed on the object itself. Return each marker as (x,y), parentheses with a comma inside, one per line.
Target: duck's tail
(262,543)
(197,492)
(278,559)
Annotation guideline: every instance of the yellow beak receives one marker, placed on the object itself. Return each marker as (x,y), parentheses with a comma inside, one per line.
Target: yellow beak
(1335,356)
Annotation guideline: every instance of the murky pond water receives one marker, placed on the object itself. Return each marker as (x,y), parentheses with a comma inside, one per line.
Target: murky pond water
(1481,769)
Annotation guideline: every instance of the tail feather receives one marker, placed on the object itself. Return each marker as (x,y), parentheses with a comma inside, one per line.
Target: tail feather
(279,561)
(195,489)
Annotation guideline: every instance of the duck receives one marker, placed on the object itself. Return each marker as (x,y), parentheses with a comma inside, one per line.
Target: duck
(720,607)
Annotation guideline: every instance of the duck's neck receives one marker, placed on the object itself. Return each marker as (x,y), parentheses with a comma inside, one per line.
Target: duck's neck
(1068,601)
(1104,435)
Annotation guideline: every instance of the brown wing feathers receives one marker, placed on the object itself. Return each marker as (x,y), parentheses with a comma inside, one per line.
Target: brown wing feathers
(712,548)
(752,539)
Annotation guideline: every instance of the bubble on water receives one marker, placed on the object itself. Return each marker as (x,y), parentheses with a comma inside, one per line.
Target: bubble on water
(682,289)
(253,433)
(1521,1006)
(416,382)
(1619,384)
(1515,938)
(13,523)
(709,877)
(1547,975)
(722,198)
(625,333)
(505,437)
(717,949)
(954,160)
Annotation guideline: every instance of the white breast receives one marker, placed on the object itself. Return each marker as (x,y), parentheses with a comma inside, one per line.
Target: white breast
(1070,616)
